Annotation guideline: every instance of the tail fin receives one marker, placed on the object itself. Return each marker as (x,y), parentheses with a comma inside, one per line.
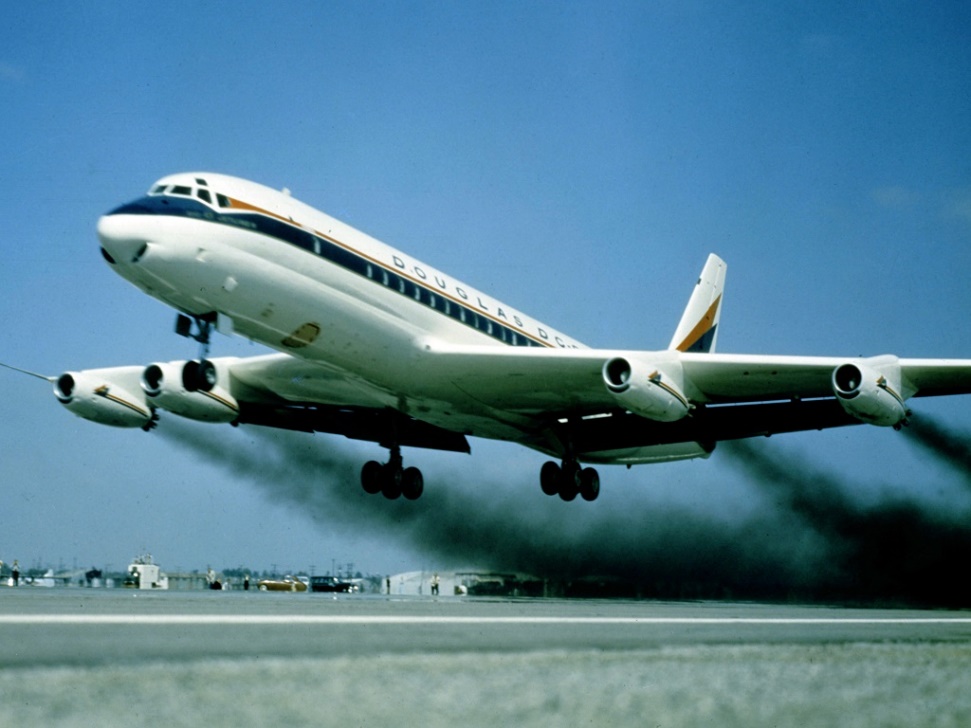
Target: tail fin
(698,328)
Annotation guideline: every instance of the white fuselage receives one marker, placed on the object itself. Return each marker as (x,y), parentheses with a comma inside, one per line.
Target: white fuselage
(292,278)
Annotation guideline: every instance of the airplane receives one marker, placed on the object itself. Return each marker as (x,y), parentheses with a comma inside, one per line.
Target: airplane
(375,345)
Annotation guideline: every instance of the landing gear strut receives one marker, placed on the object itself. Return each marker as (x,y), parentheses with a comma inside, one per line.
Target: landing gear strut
(569,480)
(391,478)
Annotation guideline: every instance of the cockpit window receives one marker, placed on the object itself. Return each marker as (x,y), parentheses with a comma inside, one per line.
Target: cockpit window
(202,193)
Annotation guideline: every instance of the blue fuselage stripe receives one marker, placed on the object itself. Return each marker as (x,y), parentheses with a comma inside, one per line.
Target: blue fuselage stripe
(337,254)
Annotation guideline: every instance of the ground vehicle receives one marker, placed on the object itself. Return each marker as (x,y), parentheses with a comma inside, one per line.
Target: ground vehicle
(144,574)
(287,583)
(331,584)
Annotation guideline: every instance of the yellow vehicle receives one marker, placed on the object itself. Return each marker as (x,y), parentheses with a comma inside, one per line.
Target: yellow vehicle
(287,583)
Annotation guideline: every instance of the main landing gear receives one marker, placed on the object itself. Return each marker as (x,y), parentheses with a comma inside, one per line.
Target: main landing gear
(569,480)
(392,479)
(198,375)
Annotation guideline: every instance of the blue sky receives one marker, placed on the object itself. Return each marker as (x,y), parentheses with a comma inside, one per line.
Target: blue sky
(576,160)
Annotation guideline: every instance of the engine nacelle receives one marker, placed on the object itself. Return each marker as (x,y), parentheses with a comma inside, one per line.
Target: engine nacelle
(165,386)
(106,396)
(646,390)
(872,392)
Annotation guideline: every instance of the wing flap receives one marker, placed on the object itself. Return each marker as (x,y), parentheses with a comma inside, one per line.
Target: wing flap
(383,426)
(709,425)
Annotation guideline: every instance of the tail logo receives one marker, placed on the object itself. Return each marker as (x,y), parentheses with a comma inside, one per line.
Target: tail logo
(702,336)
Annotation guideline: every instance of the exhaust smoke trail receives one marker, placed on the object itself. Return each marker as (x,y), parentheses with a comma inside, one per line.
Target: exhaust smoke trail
(666,551)
(952,448)
(894,550)
(811,542)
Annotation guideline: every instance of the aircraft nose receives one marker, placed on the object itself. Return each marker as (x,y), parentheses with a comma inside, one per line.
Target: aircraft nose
(120,241)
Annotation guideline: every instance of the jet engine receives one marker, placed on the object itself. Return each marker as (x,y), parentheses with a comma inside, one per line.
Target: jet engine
(646,390)
(106,396)
(872,392)
(165,386)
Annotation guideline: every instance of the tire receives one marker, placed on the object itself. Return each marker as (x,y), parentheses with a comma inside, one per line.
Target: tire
(589,484)
(371,477)
(549,478)
(391,478)
(570,482)
(412,483)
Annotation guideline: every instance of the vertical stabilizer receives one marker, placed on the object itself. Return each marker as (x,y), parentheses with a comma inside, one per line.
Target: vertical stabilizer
(698,328)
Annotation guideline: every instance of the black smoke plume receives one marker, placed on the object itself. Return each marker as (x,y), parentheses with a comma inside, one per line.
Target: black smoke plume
(896,550)
(811,542)
(947,445)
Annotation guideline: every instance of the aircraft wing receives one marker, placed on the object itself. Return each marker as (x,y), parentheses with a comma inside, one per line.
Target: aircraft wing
(739,378)
(563,379)
(527,392)
(570,381)
(538,397)
(564,393)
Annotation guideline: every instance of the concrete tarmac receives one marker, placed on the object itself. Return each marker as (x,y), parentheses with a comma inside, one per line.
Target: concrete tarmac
(114,657)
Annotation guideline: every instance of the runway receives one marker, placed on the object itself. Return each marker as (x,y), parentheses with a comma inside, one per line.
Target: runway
(84,656)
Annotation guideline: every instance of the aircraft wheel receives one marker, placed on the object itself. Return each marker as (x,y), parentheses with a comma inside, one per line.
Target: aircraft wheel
(262,587)
(569,481)
(391,477)
(589,484)
(412,483)
(371,477)
(549,478)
